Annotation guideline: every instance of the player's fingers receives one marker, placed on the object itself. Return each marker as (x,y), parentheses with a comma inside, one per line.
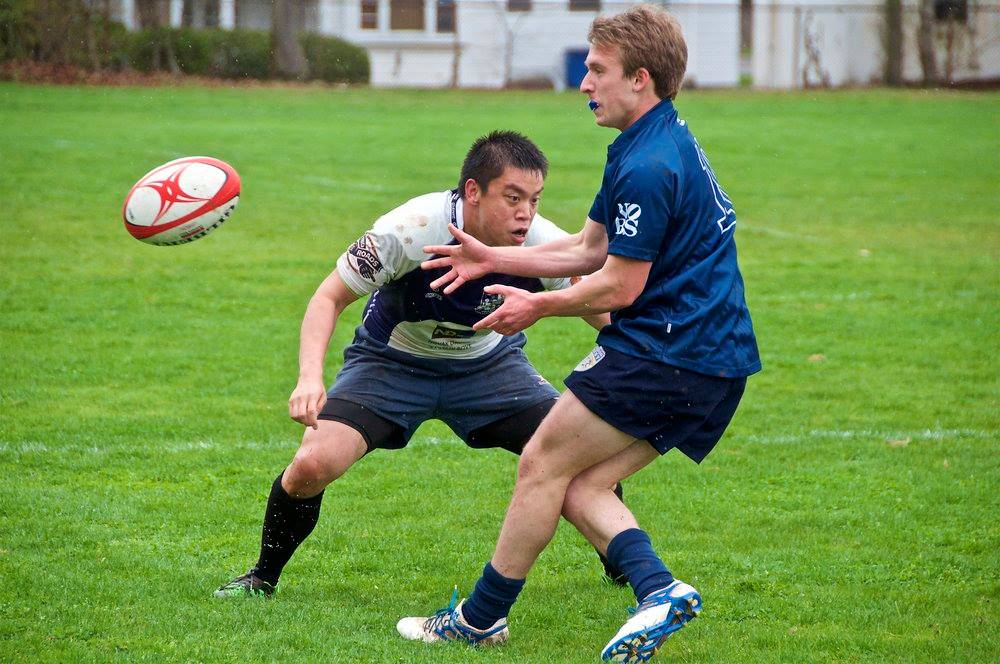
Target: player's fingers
(458,281)
(459,234)
(498,289)
(312,412)
(485,323)
(441,249)
(432,263)
(444,279)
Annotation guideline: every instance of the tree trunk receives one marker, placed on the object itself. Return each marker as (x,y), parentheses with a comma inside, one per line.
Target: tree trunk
(893,42)
(288,60)
(925,43)
(195,14)
(152,13)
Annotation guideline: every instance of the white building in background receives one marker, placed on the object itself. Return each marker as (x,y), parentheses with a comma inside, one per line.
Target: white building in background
(480,43)
(495,43)
(802,43)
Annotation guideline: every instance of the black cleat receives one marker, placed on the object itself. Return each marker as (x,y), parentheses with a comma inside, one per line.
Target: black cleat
(248,585)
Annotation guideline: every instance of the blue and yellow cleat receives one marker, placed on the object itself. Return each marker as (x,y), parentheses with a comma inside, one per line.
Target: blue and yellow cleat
(656,618)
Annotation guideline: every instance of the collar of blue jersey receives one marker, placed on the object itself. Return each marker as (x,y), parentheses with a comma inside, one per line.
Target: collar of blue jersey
(455,209)
(661,110)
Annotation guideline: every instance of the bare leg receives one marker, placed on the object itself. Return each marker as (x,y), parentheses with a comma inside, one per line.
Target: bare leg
(324,455)
(570,440)
(590,503)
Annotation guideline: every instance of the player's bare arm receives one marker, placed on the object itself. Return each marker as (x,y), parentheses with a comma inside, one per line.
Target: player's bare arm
(613,287)
(325,307)
(573,255)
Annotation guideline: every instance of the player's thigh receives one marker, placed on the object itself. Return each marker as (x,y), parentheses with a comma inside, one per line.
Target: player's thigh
(324,455)
(608,473)
(570,440)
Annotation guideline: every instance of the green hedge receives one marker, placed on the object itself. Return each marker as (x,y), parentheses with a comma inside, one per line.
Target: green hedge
(335,60)
(61,33)
(245,54)
(31,30)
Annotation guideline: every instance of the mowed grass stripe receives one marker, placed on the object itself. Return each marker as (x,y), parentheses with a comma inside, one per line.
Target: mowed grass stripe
(850,514)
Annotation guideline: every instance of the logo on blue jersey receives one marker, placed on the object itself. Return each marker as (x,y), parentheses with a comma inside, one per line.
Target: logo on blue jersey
(489,304)
(442,332)
(592,358)
(627,221)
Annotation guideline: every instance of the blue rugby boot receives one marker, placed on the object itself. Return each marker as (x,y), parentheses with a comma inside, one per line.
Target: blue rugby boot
(657,617)
(449,625)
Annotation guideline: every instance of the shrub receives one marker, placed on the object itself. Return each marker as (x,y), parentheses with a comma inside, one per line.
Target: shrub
(70,33)
(335,60)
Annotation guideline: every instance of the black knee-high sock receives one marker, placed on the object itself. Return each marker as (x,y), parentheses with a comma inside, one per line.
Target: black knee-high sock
(287,522)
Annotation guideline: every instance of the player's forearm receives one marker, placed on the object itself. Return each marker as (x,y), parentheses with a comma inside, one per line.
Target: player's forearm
(317,327)
(566,257)
(598,294)
(598,321)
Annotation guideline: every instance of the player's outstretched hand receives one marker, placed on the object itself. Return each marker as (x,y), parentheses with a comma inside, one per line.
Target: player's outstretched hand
(518,311)
(468,260)
(306,402)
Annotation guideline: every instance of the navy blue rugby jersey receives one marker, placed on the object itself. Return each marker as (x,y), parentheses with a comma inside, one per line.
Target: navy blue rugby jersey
(403,312)
(661,202)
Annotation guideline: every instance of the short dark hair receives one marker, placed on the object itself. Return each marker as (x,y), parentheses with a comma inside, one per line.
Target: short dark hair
(492,153)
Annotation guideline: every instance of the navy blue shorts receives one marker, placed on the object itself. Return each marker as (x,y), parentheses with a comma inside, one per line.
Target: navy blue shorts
(465,394)
(667,406)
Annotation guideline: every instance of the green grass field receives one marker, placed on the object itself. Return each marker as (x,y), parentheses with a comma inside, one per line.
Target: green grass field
(851,512)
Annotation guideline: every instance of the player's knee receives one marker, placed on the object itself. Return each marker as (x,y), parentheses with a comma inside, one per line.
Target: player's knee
(306,476)
(579,496)
(539,467)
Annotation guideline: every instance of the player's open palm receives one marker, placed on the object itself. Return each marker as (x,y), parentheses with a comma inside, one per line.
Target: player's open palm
(306,402)
(468,260)
(518,311)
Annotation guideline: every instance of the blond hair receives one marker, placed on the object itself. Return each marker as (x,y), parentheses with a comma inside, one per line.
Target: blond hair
(646,37)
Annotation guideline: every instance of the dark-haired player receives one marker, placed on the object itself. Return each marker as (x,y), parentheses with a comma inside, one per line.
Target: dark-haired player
(415,356)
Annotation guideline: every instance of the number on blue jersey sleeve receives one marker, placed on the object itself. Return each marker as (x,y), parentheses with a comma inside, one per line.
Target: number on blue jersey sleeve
(727,216)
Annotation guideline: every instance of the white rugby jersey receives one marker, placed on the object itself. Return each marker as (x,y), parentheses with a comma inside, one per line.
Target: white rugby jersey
(402,311)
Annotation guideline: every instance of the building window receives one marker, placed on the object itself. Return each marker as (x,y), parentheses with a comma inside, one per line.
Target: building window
(951,10)
(519,5)
(446,15)
(584,5)
(369,14)
(406,14)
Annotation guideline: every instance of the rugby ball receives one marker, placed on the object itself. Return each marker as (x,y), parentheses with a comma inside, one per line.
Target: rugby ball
(181,201)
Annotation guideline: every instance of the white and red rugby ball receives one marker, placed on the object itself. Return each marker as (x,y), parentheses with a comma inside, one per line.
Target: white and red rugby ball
(181,201)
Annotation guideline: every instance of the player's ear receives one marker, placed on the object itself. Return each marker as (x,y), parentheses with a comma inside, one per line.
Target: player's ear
(472,191)
(640,79)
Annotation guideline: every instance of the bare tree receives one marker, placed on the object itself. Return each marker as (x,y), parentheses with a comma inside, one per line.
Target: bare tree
(195,13)
(508,22)
(893,37)
(288,59)
(154,15)
(925,43)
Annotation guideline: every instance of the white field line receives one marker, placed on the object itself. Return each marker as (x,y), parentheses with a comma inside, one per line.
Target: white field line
(876,435)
